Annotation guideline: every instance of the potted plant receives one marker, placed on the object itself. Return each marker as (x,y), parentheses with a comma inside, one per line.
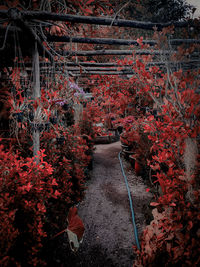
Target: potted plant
(40,120)
(18,110)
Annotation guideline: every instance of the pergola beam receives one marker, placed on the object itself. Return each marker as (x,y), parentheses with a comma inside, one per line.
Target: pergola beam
(111,41)
(45,16)
(99,73)
(107,64)
(116,52)
(104,73)
(108,41)
(117,68)
(97,69)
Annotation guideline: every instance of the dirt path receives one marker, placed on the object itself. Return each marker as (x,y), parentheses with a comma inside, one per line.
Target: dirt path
(106,214)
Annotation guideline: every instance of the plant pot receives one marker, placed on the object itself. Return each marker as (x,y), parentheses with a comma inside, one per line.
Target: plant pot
(53,120)
(65,107)
(124,147)
(19,116)
(127,153)
(137,168)
(132,160)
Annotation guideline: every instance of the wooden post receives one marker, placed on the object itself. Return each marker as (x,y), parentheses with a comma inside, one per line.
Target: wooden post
(36,95)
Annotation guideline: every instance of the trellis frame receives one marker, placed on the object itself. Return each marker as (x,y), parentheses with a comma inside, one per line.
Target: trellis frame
(20,18)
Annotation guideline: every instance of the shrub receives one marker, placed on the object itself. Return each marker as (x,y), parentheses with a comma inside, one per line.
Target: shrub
(25,189)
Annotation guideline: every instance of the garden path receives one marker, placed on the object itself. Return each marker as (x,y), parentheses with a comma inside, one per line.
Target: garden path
(106,213)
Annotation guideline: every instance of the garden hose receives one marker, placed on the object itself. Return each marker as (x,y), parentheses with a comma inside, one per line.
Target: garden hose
(131,202)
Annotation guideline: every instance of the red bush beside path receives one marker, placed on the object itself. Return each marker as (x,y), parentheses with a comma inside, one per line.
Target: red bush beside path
(170,150)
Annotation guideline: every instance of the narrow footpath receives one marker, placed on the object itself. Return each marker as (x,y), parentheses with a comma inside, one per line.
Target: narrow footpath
(106,214)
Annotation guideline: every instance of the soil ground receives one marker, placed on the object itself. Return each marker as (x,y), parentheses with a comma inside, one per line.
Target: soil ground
(106,214)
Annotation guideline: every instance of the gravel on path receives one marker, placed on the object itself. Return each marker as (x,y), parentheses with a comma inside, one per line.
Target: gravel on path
(106,214)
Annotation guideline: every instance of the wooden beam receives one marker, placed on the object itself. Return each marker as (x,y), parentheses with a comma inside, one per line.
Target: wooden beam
(73,71)
(78,64)
(72,74)
(109,64)
(111,41)
(115,52)
(43,15)
(97,69)
(84,69)
(103,73)
(104,67)
(162,65)
(89,64)
(108,41)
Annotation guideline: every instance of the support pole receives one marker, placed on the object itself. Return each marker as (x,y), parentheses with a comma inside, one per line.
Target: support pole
(36,95)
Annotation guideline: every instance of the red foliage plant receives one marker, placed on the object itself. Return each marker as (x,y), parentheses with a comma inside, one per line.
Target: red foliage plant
(172,130)
(28,191)
(25,190)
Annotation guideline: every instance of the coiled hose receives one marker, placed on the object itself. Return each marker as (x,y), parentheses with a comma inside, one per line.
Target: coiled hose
(131,202)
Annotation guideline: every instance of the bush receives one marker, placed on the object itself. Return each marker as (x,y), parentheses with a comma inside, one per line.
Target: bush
(25,190)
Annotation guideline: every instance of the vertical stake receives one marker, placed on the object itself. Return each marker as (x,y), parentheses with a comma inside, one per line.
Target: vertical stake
(36,95)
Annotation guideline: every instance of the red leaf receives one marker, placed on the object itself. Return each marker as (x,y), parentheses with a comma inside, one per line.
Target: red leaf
(87,10)
(190,225)
(75,223)
(54,182)
(160,236)
(154,204)
(89,2)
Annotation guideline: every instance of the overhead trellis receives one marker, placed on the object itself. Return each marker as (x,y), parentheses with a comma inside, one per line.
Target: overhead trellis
(22,21)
